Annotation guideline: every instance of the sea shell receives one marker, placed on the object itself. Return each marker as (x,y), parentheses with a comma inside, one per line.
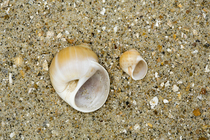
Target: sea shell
(79,79)
(133,64)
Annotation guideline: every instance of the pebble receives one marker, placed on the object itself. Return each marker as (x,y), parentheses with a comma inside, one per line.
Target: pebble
(156,75)
(10,79)
(203,91)
(18,61)
(59,35)
(103,11)
(115,29)
(165,101)
(12,134)
(50,34)
(175,88)
(154,102)
(207,69)
(167,84)
(45,65)
(197,112)
(136,126)
(149,124)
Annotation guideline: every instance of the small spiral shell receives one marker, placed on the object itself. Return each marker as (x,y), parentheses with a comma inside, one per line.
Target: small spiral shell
(133,64)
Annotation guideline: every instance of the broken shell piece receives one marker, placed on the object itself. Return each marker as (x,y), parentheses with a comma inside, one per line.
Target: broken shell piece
(133,64)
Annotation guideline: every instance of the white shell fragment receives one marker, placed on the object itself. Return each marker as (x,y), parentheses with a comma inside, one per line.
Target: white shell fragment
(207,69)
(10,79)
(154,102)
(45,65)
(165,101)
(133,64)
(175,88)
(78,78)
(103,11)
(12,135)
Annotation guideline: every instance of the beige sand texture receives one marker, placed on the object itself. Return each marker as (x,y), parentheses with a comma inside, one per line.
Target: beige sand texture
(171,102)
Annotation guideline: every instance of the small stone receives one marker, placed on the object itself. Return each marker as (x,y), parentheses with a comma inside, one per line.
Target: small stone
(5,4)
(18,61)
(179,82)
(180,6)
(124,131)
(149,124)
(199,97)
(45,65)
(174,36)
(63,39)
(197,112)
(188,87)
(10,79)
(170,115)
(103,11)
(195,51)
(195,32)
(103,28)
(169,50)
(134,102)
(59,35)
(159,48)
(188,11)
(194,44)
(165,101)
(203,91)
(206,45)
(179,96)
(71,41)
(154,102)
(50,34)
(175,88)
(207,69)
(156,75)
(169,23)
(55,133)
(202,138)
(162,84)
(205,10)
(167,84)
(22,73)
(136,126)
(12,135)
(115,29)
(182,47)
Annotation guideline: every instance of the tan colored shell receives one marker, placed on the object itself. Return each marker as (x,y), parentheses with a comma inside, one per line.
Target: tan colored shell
(78,78)
(133,64)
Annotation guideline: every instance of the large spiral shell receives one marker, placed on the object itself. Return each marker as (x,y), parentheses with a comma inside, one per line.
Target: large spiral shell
(79,79)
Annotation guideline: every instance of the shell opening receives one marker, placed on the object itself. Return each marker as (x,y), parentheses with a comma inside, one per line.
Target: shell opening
(140,70)
(92,95)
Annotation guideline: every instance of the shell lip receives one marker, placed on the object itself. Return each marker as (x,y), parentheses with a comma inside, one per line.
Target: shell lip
(139,74)
(78,102)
